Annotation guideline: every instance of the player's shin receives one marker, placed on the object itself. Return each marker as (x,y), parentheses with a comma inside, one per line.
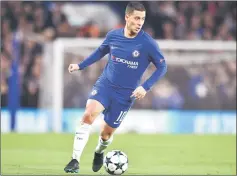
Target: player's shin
(102,145)
(80,140)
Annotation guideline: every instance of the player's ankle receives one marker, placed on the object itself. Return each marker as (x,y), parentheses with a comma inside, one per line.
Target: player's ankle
(74,158)
(99,152)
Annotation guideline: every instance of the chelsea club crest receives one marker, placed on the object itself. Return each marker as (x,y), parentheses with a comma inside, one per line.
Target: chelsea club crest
(135,53)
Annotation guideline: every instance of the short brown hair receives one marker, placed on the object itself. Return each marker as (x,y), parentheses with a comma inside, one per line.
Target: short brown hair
(132,6)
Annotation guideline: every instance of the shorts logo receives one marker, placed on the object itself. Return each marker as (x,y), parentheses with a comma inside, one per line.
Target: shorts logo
(135,53)
(161,60)
(94,92)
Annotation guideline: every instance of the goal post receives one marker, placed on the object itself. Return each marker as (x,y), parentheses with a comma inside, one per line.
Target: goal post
(54,82)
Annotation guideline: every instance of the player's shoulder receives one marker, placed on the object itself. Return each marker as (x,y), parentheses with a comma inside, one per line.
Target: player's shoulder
(148,38)
(114,32)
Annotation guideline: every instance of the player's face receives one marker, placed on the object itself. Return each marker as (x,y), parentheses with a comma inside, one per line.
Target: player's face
(135,21)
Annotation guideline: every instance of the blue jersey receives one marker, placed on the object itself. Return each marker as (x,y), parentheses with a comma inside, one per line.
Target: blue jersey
(128,59)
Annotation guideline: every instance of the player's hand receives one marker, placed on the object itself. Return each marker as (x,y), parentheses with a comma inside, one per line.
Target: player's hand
(139,93)
(73,67)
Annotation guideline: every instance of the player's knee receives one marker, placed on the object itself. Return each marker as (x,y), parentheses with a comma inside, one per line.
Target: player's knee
(88,117)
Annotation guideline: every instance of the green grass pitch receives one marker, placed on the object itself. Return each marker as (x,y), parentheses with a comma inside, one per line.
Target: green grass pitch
(47,154)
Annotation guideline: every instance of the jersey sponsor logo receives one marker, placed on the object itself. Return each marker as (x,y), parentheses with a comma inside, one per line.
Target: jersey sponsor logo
(135,53)
(130,64)
(126,61)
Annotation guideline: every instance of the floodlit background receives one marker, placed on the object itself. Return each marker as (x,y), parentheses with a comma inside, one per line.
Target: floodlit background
(190,115)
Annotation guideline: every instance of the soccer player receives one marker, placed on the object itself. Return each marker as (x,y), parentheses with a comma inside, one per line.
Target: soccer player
(130,50)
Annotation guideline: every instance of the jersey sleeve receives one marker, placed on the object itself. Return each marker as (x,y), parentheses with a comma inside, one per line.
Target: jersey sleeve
(99,53)
(155,54)
(157,58)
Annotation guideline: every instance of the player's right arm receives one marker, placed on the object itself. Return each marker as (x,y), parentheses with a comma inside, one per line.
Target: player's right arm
(99,53)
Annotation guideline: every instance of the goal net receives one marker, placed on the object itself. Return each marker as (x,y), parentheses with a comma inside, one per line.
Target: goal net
(197,72)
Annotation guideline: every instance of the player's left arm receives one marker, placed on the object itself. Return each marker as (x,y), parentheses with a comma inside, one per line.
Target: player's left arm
(157,58)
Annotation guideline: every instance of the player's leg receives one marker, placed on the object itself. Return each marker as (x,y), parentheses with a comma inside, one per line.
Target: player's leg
(105,139)
(97,102)
(112,120)
(93,109)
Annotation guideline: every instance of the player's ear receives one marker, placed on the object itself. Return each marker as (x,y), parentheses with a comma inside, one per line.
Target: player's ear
(126,16)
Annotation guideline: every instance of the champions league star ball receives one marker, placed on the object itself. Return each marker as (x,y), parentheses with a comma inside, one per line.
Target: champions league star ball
(116,162)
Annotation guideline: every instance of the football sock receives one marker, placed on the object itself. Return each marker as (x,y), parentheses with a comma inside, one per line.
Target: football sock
(102,145)
(80,140)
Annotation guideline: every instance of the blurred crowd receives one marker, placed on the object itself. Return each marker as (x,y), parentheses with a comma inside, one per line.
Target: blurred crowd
(196,20)
(39,22)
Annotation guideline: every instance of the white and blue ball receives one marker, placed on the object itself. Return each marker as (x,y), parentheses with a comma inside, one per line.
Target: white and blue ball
(116,162)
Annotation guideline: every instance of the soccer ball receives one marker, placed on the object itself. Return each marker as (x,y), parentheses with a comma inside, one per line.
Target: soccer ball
(116,162)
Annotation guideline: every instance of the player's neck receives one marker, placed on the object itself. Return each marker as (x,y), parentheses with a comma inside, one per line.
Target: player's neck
(128,33)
